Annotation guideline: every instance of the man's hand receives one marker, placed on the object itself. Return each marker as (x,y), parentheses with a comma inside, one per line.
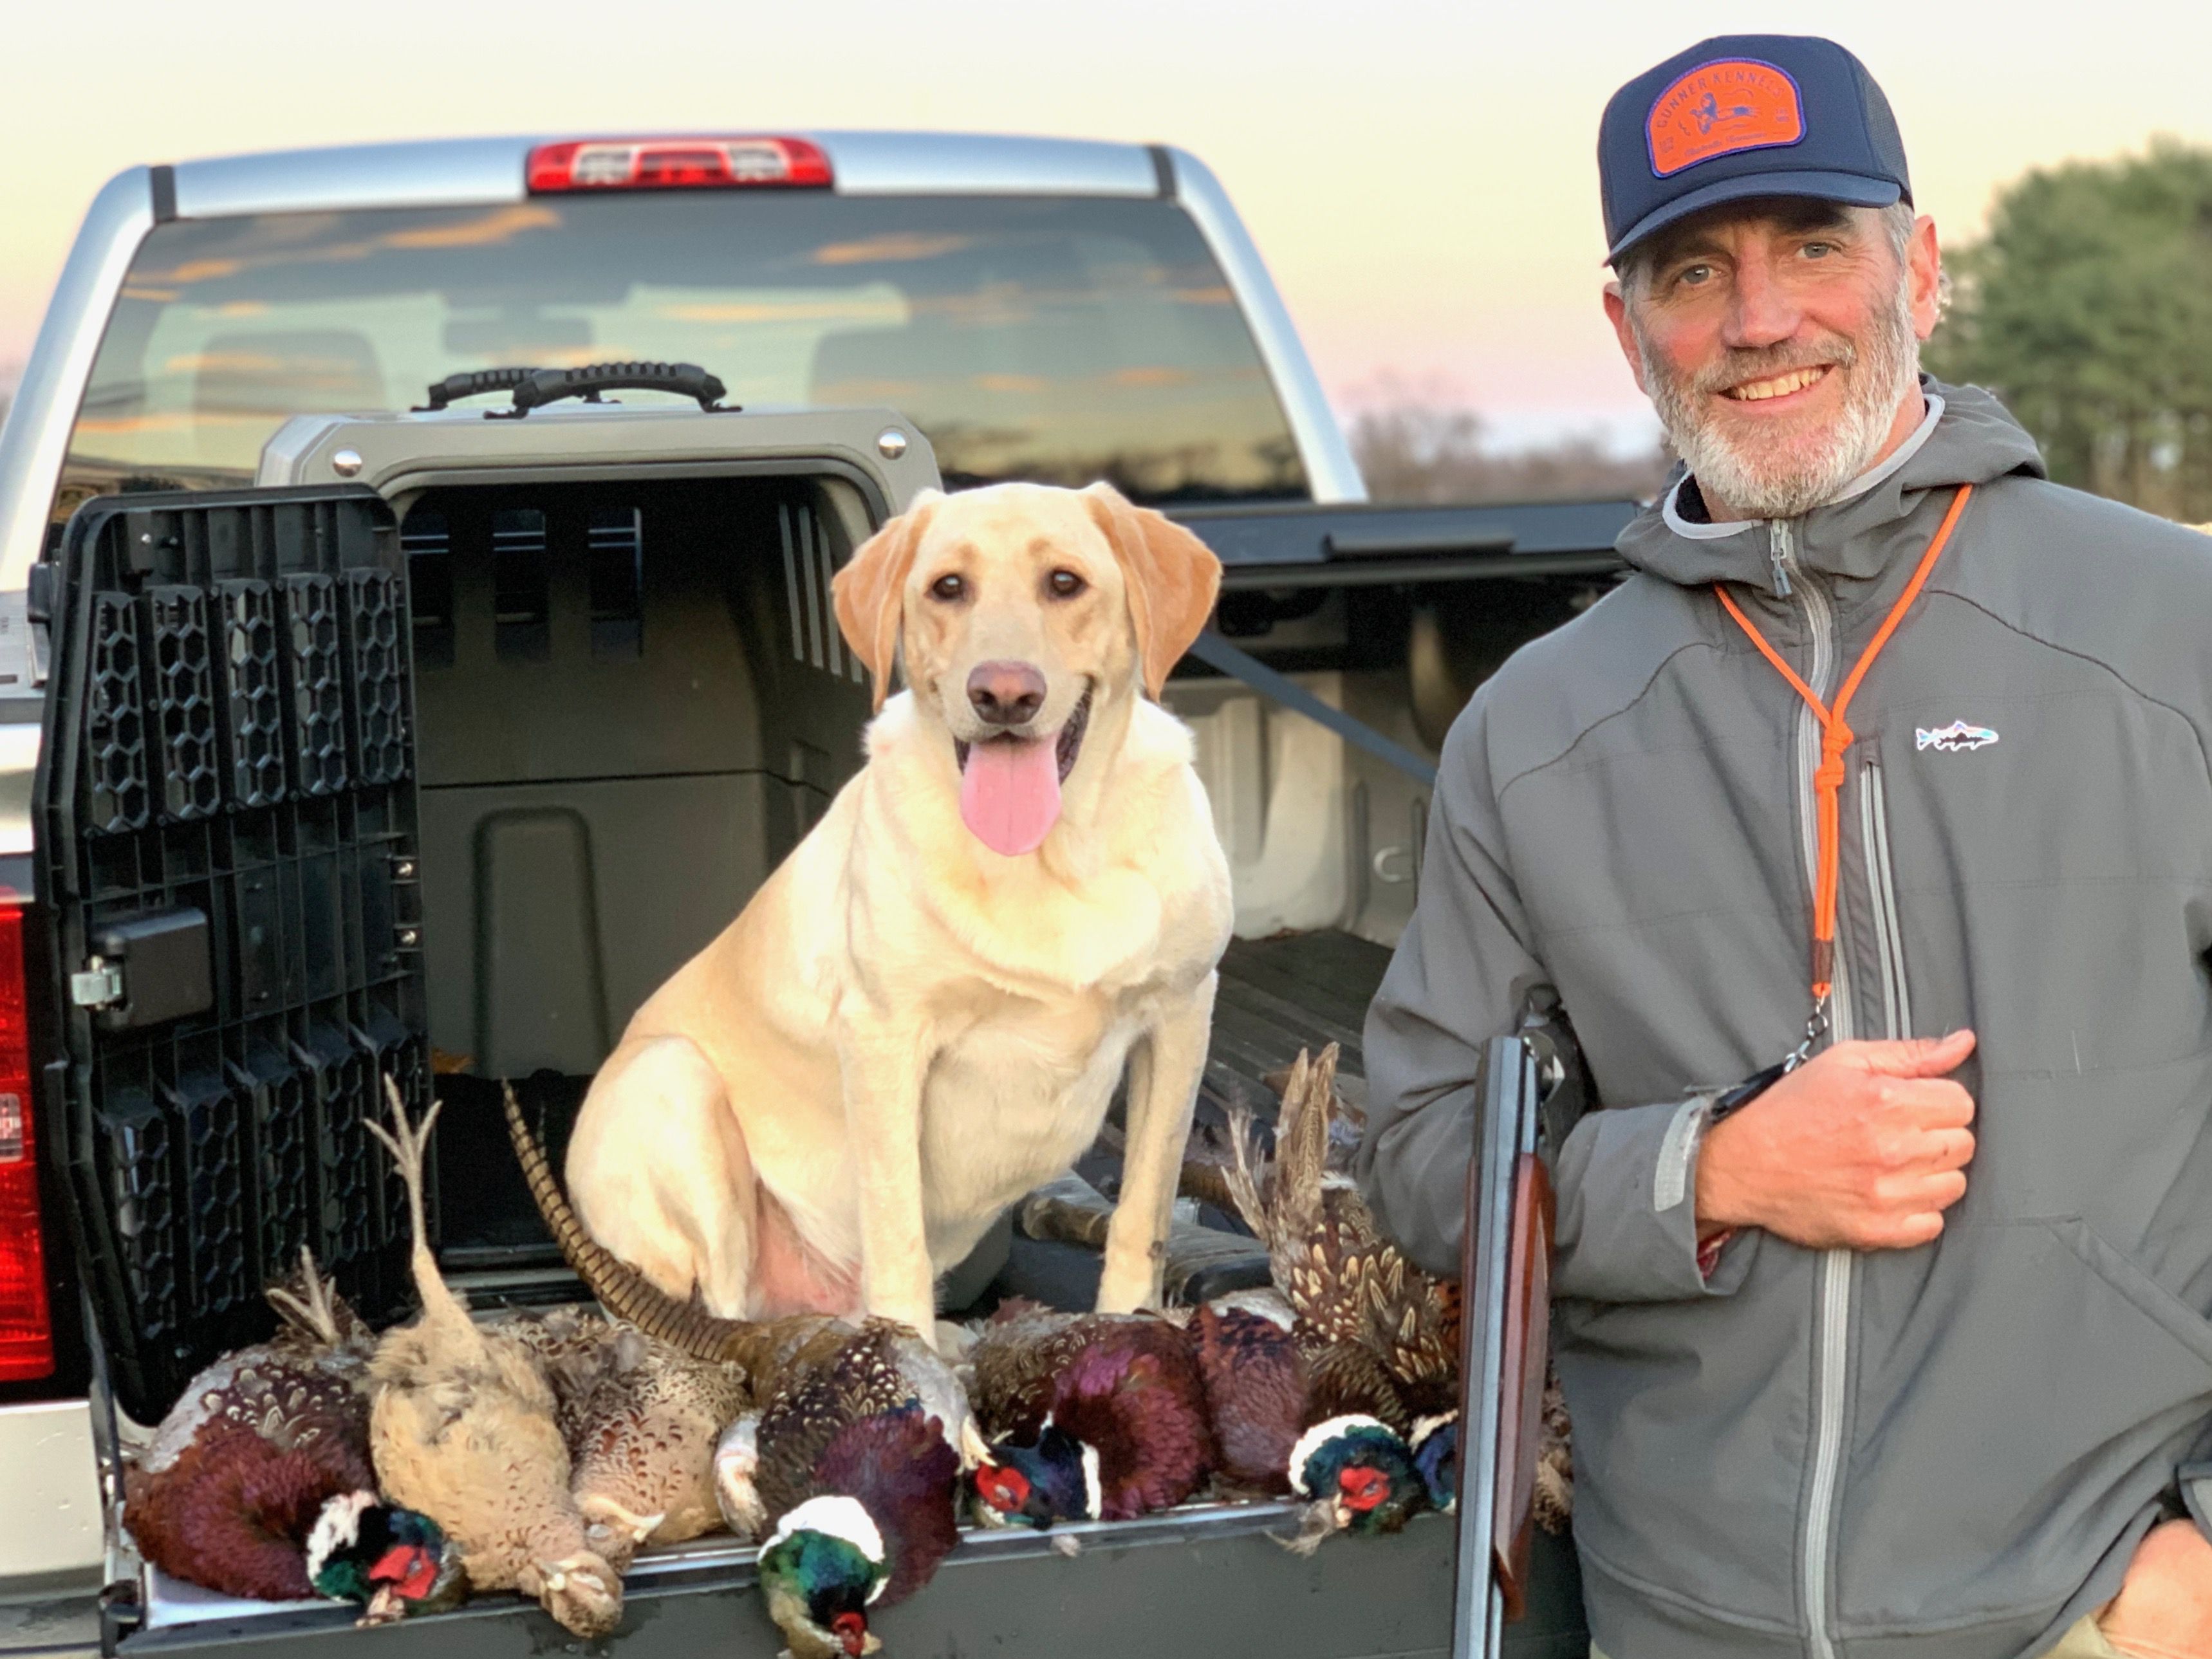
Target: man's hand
(2164,1605)
(1864,1146)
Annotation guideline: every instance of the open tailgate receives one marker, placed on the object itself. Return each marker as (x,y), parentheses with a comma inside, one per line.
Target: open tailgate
(227,840)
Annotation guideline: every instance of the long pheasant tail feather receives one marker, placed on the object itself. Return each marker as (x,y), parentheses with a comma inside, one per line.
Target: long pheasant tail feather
(1307,1155)
(623,1291)
(1239,1176)
(1302,1147)
(409,1143)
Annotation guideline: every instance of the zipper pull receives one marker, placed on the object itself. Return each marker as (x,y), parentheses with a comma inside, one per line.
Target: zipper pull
(1777,553)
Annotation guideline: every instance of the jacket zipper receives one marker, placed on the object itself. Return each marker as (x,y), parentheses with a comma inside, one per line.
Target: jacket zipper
(1833,1324)
(1889,940)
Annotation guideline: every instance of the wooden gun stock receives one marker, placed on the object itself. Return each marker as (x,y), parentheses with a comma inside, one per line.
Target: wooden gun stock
(1521,1396)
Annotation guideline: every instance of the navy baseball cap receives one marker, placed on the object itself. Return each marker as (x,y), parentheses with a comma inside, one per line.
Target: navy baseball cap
(1740,115)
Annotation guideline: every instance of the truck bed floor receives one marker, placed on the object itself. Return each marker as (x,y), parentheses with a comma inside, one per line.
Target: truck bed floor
(1278,995)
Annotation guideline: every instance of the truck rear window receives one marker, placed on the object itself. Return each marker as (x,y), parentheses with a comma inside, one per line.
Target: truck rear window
(1058,340)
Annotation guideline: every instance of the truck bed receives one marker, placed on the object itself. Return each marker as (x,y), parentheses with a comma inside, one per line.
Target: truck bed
(1206,1578)
(1202,1580)
(1278,995)
(494,890)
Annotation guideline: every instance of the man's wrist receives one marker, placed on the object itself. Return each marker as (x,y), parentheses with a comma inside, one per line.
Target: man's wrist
(1720,1208)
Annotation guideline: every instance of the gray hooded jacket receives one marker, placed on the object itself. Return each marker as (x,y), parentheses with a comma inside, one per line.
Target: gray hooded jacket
(1944,1451)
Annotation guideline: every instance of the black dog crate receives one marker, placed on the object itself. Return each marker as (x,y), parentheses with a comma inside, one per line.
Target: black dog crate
(226,811)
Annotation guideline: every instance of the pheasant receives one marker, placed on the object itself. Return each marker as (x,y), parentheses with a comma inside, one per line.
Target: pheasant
(772,1356)
(1344,1279)
(1283,1424)
(1382,1336)
(1104,1412)
(462,1427)
(854,1457)
(569,1345)
(641,1420)
(854,1466)
(258,1482)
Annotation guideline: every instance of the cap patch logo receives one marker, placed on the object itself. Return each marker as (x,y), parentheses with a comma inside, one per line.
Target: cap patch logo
(1717,109)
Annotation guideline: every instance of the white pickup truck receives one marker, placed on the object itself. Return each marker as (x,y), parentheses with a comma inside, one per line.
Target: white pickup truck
(365,732)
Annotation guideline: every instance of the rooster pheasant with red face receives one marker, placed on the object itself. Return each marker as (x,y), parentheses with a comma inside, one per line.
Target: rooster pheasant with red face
(848,1463)
(258,1482)
(1381,1337)
(852,1467)
(1089,1416)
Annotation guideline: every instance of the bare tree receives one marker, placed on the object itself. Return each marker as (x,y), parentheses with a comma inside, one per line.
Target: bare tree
(1416,451)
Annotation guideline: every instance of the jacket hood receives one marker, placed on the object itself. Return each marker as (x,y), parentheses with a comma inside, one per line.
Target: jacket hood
(1972,441)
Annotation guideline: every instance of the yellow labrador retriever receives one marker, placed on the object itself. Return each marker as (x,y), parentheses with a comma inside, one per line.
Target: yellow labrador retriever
(922,1014)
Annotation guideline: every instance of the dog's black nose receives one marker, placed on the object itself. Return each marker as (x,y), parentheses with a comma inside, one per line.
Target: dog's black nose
(1005,693)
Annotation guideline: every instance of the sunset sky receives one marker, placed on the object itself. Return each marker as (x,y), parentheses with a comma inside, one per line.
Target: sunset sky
(1418,173)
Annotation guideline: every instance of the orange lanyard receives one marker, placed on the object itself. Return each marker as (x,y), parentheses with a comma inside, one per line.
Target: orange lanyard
(1835,739)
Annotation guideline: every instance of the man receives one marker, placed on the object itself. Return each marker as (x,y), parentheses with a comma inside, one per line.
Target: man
(1892,754)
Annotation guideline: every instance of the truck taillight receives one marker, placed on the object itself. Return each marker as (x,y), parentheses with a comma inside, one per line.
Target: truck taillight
(676,164)
(27,1327)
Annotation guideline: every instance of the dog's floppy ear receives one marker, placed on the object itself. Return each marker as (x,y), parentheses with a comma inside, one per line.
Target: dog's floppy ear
(869,590)
(1171,575)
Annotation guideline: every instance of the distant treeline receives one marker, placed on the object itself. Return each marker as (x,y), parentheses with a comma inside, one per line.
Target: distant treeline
(2087,306)
(1413,451)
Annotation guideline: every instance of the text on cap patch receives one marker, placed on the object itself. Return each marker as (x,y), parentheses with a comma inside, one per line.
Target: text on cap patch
(1719,108)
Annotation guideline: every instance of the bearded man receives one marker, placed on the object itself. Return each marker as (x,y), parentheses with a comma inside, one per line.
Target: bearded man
(1865,831)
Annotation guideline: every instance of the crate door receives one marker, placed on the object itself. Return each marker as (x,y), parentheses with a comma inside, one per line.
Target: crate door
(227,847)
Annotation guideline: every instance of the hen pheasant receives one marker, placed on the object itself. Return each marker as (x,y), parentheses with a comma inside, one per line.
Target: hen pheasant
(463,1428)
(641,1420)
(849,1465)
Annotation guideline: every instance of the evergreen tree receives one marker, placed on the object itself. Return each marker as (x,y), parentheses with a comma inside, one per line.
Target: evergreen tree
(2087,307)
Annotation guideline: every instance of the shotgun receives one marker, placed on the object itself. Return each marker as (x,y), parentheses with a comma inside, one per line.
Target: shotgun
(1532,1085)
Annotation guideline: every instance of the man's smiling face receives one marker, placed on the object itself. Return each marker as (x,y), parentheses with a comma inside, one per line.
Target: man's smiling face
(1779,343)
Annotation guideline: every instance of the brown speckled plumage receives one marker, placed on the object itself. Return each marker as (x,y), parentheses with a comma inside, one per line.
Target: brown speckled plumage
(1016,1361)
(639,1420)
(1381,1336)
(1349,1378)
(824,1375)
(463,1428)
(1344,1279)
(1555,1464)
(862,1379)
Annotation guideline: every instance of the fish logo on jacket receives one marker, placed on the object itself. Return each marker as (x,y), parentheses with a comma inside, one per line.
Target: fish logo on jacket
(1955,736)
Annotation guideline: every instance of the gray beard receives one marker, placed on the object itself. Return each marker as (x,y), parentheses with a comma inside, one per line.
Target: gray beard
(1789,479)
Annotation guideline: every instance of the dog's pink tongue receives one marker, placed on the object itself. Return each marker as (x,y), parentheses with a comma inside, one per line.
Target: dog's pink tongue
(1009,794)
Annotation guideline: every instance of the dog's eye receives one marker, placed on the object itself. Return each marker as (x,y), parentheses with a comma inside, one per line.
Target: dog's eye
(1065,584)
(948,589)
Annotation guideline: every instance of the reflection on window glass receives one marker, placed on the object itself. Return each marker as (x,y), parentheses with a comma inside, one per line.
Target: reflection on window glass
(1059,339)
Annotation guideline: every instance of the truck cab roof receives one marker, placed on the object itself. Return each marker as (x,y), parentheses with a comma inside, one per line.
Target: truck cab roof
(479,173)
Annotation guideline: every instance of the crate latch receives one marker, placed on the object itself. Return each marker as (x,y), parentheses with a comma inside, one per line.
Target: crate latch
(99,986)
(147,969)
